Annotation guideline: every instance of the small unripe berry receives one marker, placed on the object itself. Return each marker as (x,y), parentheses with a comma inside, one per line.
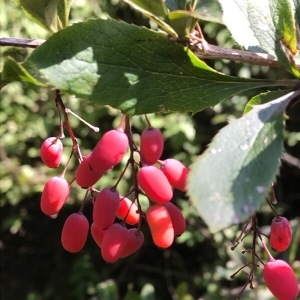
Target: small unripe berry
(281,234)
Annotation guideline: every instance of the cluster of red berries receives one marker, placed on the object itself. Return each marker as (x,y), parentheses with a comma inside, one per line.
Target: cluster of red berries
(154,178)
(278,274)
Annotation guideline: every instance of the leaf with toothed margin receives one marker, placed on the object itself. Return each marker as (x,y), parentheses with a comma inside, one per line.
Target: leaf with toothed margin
(228,183)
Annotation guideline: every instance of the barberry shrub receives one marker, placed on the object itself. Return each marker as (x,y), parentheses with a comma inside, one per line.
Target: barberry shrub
(139,71)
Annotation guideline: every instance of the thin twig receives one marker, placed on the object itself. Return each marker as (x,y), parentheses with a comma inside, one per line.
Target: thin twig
(210,52)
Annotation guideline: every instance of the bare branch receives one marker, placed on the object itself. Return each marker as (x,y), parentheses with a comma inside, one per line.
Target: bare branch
(20,42)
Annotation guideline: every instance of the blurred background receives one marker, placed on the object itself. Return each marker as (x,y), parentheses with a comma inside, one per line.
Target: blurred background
(34,266)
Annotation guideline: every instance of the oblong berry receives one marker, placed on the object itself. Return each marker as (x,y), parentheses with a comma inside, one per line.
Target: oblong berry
(128,211)
(51,152)
(281,280)
(135,241)
(178,220)
(176,172)
(74,232)
(151,145)
(281,234)
(155,184)
(54,195)
(109,150)
(85,176)
(114,241)
(97,234)
(106,207)
(160,224)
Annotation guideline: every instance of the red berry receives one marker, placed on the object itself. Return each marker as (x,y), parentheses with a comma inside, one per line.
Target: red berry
(74,232)
(152,145)
(281,280)
(109,150)
(114,241)
(51,152)
(160,225)
(135,241)
(155,184)
(85,176)
(97,234)
(128,211)
(281,234)
(176,172)
(54,195)
(178,220)
(106,207)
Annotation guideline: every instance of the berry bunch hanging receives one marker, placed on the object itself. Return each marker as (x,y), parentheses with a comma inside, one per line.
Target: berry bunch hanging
(116,219)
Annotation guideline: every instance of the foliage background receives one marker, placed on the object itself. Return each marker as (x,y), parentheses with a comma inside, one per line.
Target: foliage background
(34,265)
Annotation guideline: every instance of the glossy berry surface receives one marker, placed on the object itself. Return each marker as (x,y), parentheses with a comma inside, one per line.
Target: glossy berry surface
(74,232)
(85,176)
(281,280)
(128,211)
(155,184)
(160,224)
(134,242)
(51,152)
(106,207)
(281,234)
(151,146)
(109,151)
(97,234)
(54,195)
(114,241)
(178,220)
(176,172)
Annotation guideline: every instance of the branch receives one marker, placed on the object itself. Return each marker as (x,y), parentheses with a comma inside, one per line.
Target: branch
(209,51)
(19,42)
(203,52)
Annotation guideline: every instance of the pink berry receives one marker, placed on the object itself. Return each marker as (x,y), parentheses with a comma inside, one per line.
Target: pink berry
(281,234)
(74,232)
(106,207)
(155,184)
(152,145)
(128,211)
(97,234)
(109,151)
(51,152)
(178,220)
(134,242)
(176,172)
(54,195)
(281,280)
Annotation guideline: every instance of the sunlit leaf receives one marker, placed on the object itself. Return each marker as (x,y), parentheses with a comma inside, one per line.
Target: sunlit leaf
(228,183)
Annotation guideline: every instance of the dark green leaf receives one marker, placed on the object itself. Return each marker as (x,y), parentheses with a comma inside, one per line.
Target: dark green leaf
(183,22)
(228,183)
(131,68)
(52,15)
(12,71)
(262,98)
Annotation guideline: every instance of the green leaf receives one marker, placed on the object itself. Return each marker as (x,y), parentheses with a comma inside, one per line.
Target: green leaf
(208,10)
(13,71)
(228,183)
(148,14)
(262,98)
(50,14)
(156,7)
(286,42)
(183,22)
(133,69)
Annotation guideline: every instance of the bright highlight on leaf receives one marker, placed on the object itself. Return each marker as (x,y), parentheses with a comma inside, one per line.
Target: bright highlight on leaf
(227,184)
